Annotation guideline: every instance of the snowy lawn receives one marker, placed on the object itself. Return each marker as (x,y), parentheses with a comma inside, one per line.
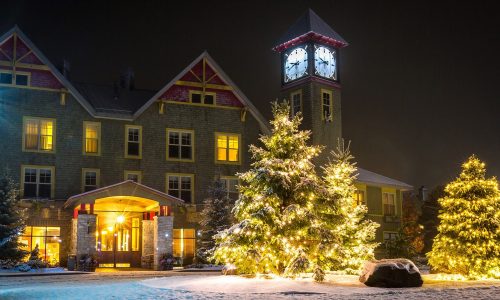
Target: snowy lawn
(200,286)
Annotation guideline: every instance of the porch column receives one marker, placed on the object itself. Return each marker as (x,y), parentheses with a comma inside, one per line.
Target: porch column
(85,234)
(163,232)
(147,244)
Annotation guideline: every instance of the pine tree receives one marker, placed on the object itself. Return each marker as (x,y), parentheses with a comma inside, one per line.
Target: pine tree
(274,213)
(468,240)
(11,220)
(346,237)
(215,216)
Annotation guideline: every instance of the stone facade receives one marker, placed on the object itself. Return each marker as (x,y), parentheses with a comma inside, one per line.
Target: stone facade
(148,245)
(162,238)
(86,235)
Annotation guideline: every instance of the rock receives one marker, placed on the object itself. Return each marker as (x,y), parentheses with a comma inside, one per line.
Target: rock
(391,273)
(229,270)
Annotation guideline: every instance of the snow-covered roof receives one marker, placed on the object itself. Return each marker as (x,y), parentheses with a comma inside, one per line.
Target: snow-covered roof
(370,177)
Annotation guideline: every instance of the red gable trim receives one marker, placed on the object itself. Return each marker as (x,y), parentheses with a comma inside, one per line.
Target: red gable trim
(310,36)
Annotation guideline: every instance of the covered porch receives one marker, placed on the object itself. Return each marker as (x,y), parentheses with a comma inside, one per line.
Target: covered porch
(125,225)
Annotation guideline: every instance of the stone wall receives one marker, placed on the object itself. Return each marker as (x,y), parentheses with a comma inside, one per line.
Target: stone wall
(86,235)
(163,233)
(147,255)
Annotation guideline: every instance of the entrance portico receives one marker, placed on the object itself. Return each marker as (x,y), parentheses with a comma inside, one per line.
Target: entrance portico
(125,225)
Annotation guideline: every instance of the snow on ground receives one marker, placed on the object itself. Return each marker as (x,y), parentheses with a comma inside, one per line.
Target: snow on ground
(41,270)
(172,285)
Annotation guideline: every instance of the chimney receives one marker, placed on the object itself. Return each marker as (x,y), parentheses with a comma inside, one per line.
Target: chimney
(66,67)
(422,194)
(127,79)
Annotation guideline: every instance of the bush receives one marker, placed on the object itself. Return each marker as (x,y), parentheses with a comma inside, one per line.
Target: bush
(167,261)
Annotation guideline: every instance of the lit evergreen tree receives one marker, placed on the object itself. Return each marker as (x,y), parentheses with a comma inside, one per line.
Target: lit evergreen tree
(274,213)
(346,237)
(468,240)
(215,216)
(11,220)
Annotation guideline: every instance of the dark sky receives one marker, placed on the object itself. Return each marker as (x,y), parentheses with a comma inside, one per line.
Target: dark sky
(420,79)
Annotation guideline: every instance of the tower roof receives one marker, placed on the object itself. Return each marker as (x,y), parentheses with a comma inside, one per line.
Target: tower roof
(309,27)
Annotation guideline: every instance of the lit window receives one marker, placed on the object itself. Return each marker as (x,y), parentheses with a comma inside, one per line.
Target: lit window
(389,202)
(180,186)
(37,182)
(296,102)
(38,134)
(48,240)
(184,243)
(198,97)
(327,106)
(359,197)
(135,234)
(227,147)
(230,184)
(180,144)
(90,179)
(133,148)
(135,176)
(92,135)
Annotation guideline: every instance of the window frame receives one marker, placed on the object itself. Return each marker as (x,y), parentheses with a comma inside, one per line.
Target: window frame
(38,168)
(127,127)
(388,192)
(138,173)
(390,233)
(14,79)
(227,185)
(54,134)
(180,131)
(292,106)
(361,191)
(330,107)
(227,161)
(202,95)
(84,141)
(97,178)
(179,175)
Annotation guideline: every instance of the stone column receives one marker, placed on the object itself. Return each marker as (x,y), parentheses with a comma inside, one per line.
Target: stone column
(74,230)
(163,231)
(147,244)
(85,235)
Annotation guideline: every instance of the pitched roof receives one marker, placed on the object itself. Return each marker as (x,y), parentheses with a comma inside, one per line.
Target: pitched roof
(223,76)
(64,81)
(112,101)
(310,25)
(370,177)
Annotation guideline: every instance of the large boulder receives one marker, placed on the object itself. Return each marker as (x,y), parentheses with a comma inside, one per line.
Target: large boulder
(391,273)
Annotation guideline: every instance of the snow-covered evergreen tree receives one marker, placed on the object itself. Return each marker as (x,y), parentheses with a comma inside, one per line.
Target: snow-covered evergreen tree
(274,213)
(215,216)
(12,220)
(346,237)
(468,240)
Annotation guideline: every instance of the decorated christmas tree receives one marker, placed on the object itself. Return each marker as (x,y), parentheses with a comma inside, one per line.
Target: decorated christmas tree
(346,238)
(468,240)
(274,213)
(11,220)
(215,216)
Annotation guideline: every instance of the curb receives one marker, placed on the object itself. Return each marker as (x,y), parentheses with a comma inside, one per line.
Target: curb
(27,274)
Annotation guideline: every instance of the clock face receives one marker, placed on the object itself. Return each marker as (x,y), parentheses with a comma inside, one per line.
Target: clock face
(295,64)
(325,63)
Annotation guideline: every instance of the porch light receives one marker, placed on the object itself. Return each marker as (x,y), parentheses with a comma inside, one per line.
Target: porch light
(120,219)
(166,234)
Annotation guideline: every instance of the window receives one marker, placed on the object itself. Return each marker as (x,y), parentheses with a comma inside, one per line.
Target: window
(48,240)
(90,179)
(296,102)
(183,243)
(390,236)
(37,182)
(327,105)
(359,197)
(133,138)
(20,78)
(389,202)
(230,183)
(38,135)
(91,136)
(135,234)
(227,147)
(180,144)
(198,97)
(133,175)
(180,186)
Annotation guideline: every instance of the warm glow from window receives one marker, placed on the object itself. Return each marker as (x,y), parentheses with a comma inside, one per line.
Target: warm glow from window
(39,134)
(92,138)
(228,148)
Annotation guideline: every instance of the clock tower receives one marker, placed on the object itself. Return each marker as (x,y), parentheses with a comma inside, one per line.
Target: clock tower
(310,78)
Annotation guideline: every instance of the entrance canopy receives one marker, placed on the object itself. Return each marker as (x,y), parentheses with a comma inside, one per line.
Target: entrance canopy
(136,196)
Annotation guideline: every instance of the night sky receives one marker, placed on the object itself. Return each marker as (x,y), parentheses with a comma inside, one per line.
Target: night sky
(420,79)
